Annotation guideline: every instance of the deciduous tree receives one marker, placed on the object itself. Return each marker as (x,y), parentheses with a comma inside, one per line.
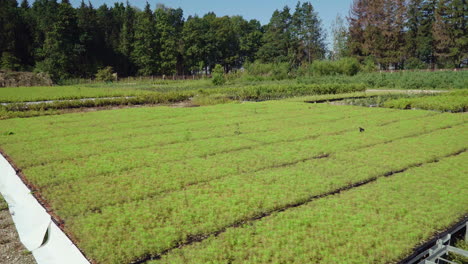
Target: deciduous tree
(340,39)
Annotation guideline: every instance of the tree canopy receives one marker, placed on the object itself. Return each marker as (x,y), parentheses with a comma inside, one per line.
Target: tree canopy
(68,42)
(410,34)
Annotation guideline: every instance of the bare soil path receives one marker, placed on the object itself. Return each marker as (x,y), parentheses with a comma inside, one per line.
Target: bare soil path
(12,250)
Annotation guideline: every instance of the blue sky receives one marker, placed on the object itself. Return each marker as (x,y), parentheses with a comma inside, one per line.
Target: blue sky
(249,9)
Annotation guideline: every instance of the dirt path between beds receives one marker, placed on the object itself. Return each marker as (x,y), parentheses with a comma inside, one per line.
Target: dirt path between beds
(12,250)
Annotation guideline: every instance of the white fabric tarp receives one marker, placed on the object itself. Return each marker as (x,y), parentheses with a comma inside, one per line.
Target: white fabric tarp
(33,222)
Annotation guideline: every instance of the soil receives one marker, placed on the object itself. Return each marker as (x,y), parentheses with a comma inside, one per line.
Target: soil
(183,104)
(11,249)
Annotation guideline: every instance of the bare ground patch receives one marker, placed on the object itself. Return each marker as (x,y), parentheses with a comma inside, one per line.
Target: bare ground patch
(12,250)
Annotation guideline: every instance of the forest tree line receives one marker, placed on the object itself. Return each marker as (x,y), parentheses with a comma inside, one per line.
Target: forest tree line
(409,33)
(67,42)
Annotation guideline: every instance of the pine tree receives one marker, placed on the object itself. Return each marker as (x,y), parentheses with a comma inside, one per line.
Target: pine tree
(169,24)
(277,45)
(106,54)
(374,38)
(145,48)
(377,30)
(61,45)
(307,34)
(457,20)
(24,36)
(127,37)
(9,22)
(43,16)
(443,34)
(110,23)
(419,36)
(413,24)
(357,20)
(25,4)
(450,32)
(394,33)
(87,25)
(117,17)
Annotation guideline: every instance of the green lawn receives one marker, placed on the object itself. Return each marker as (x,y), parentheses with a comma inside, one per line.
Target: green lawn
(137,183)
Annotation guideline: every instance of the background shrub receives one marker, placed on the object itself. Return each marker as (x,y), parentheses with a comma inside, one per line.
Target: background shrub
(348,66)
(271,71)
(218,75)
(323,68)
(105,74)
(414,64)
(345,66)
(368,65)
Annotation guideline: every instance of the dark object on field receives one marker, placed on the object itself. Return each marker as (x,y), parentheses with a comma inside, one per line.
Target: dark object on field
(361,129)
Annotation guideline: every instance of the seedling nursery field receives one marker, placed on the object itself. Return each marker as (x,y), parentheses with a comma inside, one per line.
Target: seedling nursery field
(264,182)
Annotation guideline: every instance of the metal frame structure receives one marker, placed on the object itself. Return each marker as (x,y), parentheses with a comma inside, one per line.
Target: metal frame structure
(436,253)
